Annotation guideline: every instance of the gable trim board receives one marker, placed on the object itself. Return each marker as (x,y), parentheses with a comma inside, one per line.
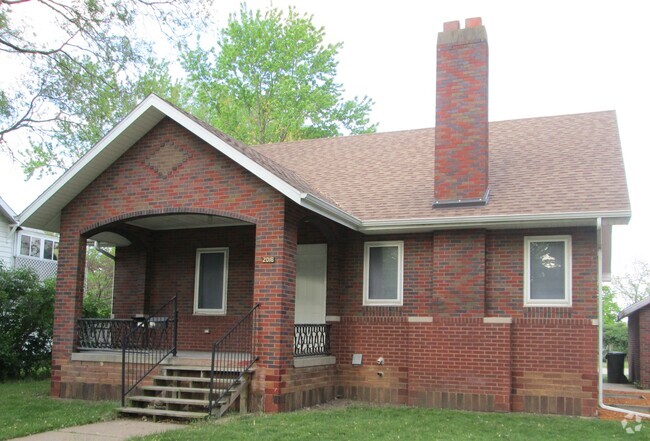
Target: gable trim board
(44,212)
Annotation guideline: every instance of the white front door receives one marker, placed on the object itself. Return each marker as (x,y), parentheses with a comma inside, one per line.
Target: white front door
(311,284)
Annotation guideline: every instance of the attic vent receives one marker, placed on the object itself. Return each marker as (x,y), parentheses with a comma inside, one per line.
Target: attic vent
(167,159)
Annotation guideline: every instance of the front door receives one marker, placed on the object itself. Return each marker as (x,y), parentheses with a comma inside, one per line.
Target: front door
(311,284)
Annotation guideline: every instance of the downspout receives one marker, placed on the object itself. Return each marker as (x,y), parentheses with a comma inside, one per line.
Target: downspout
(601,404)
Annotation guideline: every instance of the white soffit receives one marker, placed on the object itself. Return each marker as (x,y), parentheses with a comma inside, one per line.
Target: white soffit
(185,221)
(44,212)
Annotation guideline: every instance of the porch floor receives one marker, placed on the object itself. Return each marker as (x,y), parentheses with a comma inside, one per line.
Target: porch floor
(183,358)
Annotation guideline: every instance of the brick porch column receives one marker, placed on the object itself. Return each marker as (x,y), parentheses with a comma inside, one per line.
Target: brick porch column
(274,289)
(67,302)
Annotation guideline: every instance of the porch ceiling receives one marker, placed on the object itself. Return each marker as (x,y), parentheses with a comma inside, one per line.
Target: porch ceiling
(185,221)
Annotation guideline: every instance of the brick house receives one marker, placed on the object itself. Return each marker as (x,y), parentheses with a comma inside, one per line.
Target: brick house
(449,267)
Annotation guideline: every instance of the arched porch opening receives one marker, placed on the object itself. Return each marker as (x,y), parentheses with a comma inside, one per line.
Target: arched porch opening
(205,260)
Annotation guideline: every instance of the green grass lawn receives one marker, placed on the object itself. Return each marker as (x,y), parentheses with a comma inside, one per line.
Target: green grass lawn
(361,423)
(26,408)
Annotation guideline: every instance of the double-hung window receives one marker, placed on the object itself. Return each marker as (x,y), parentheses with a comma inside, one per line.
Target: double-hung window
(383,270)
(211,281)
(547,271)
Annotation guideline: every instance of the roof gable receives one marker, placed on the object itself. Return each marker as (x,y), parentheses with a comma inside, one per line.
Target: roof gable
(6,211)
(44,212)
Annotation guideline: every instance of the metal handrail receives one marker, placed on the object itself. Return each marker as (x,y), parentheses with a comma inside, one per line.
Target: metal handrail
(234,352)
(148,344)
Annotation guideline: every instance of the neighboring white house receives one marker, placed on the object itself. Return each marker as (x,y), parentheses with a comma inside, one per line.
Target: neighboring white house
(26,247)
(7,226)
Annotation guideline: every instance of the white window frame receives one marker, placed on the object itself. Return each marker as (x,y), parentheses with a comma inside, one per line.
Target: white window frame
(197,270)
(568,295)
(367,301)
(41,239)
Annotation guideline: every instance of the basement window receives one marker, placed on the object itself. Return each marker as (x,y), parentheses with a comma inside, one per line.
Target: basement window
(211,281)
(547,271)
(383,269)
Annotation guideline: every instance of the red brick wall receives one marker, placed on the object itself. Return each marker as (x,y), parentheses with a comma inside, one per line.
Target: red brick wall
(142,183)
(505,274)
(546,357)
(553,366)
(459,273)
(644,347)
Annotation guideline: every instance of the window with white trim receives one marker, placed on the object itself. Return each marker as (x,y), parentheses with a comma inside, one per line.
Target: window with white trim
(38,247)
(383,268)
(547,271)
(211,281)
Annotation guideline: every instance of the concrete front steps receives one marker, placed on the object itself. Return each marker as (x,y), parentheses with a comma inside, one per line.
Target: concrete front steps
(182,392)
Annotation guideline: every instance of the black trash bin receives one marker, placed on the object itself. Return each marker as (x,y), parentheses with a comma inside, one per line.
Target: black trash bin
(615,367)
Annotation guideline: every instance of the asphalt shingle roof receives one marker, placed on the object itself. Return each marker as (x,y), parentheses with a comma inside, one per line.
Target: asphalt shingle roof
(549,165)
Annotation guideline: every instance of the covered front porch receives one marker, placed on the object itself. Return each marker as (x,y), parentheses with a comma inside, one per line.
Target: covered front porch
(185,293)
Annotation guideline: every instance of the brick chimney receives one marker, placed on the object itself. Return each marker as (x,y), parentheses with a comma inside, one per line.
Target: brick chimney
(461,156)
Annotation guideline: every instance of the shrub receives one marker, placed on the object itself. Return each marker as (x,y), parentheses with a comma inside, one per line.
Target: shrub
(26,318)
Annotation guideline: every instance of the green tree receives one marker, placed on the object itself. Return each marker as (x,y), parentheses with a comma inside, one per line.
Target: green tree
(26,317)
(272,80)
(99,106)
(614,332)
(71,67)
(98,295)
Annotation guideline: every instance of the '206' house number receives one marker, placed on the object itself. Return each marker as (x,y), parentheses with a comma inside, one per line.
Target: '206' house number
(268,259)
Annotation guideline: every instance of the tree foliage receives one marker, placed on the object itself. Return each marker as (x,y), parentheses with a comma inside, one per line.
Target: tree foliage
(272,79)
(98,295)
(634,285)
(83,73)
(26,317)
(614,332)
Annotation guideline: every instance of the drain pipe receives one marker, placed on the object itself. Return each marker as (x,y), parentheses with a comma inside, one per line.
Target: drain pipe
(601,404)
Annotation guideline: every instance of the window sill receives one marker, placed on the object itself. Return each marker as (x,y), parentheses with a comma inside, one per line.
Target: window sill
(547,305)
(316,360)
(210,313)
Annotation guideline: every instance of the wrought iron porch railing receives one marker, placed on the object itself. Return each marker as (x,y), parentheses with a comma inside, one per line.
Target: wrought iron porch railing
(102,334)
(150,341)
(311,340)
(233,353)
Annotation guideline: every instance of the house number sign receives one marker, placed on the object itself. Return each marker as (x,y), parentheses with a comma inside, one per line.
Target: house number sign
(268,259)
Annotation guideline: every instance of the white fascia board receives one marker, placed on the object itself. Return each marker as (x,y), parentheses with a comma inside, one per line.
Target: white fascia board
(329,211)
(168,110)
(7,211)
(494,221)
(279,184)
(90,155)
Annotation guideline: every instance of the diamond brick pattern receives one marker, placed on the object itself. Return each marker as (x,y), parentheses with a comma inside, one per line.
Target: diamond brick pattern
(167,159)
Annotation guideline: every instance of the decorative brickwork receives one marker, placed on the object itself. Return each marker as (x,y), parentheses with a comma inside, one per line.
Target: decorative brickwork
(166,159)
